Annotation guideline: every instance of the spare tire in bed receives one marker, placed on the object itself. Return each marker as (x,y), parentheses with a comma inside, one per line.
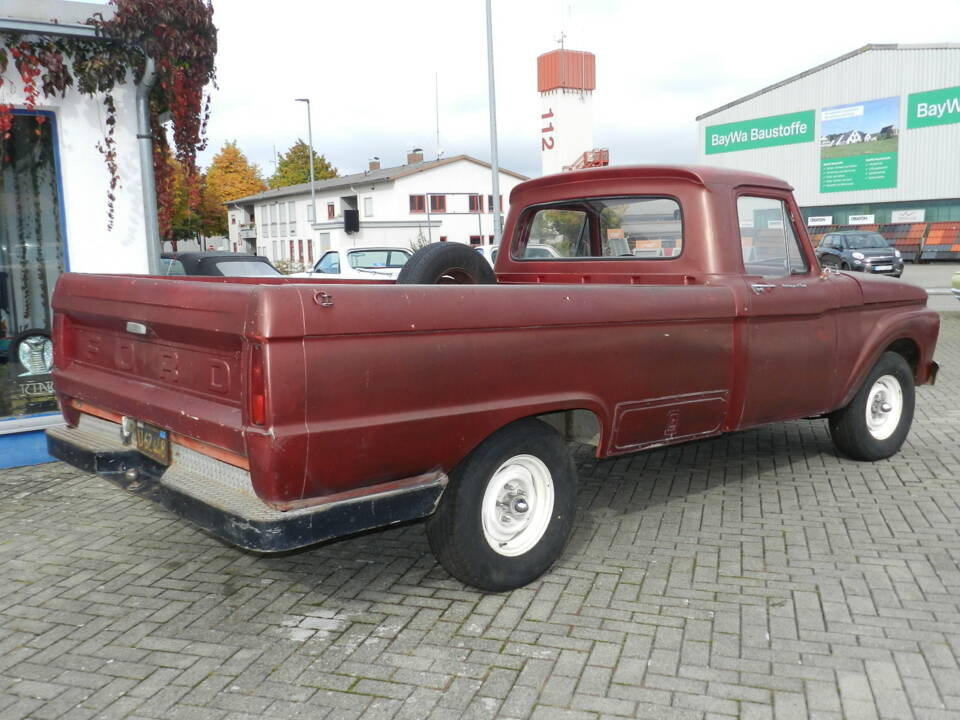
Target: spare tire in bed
(446,263)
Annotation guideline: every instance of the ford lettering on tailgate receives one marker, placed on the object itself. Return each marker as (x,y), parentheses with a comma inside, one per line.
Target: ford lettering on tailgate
(185,367)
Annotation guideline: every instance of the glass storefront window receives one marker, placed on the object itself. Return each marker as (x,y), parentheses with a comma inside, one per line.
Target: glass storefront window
(31,259)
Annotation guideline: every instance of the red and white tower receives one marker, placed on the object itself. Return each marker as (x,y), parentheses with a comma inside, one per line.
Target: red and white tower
(566,80)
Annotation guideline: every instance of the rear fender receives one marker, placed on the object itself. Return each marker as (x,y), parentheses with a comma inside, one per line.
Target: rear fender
(580,418)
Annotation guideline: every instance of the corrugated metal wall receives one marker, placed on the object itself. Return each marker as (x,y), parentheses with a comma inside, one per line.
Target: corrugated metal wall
(928,158)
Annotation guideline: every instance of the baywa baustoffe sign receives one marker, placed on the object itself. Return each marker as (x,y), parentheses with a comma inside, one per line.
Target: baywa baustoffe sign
(934,107)
(858,145)
(761,132)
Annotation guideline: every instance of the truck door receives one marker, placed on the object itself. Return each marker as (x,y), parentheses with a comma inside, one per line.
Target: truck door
(788,317)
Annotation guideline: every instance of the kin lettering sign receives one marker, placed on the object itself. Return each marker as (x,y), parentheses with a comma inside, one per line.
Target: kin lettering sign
(935,107)
(761,132)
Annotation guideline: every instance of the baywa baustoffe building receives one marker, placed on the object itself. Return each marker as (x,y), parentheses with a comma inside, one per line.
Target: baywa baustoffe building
(870,141)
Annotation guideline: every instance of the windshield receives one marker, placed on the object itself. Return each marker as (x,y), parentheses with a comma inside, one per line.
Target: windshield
(869,240)
(246,268)
(369,259)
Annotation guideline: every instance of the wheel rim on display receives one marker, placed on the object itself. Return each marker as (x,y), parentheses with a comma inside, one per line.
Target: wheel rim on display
(517,505)
(36,354)
(884,407)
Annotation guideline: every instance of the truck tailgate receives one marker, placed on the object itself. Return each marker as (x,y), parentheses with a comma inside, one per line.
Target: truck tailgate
(165,351)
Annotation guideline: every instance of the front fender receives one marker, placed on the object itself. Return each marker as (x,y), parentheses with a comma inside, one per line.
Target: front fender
(918,325)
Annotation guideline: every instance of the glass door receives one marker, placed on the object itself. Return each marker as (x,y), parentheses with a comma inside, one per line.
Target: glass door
(31,259)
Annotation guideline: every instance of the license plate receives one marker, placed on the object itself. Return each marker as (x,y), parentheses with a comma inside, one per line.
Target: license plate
(881,268)
(152,442)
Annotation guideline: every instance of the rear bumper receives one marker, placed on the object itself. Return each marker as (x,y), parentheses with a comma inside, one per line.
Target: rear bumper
(219,498)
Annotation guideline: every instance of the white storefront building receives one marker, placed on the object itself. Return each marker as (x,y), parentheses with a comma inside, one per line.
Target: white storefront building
(54,216)
(422,201)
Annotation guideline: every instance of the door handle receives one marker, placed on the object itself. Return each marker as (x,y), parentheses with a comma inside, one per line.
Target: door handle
(760,288)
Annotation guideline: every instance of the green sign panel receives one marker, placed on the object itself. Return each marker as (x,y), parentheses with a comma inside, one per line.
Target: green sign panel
(936,107)
(863,172)
(761,133)
(859,144)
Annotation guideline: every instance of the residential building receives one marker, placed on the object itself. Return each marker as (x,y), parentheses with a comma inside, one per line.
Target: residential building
(421,201)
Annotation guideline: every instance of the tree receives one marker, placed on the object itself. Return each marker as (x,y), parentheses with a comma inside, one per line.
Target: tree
(230,176)
(184,219)
(293,168)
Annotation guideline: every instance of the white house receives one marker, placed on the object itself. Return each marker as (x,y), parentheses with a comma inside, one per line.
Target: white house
(54,216)
(422,201)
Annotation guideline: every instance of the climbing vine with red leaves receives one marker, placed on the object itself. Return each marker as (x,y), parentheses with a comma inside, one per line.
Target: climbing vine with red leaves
(180,37)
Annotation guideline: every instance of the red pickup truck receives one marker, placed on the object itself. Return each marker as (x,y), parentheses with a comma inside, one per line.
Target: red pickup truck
(674,304)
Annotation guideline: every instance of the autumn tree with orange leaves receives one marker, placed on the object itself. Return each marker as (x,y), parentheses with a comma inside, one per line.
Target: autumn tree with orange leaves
(230,176)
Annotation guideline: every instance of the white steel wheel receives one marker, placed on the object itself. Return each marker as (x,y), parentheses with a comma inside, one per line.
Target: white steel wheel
(508,509)
(876,421)
(884,407)
(517,505)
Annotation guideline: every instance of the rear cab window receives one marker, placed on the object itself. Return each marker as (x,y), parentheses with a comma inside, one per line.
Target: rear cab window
(639,227)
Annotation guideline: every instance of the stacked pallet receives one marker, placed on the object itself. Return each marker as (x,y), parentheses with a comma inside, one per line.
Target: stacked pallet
(943,242)
(905,237)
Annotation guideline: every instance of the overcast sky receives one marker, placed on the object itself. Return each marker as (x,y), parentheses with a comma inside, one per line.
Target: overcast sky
(369,67)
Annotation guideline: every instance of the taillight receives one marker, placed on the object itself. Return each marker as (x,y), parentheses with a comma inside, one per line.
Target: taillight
(258,396)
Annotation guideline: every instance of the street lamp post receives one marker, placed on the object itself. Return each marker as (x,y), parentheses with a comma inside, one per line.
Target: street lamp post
(494,161)
(313,187)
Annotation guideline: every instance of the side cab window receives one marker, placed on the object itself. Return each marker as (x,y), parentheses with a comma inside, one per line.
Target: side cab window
(329,263)
(768,240)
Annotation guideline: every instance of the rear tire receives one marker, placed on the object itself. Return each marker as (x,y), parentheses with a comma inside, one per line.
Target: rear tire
(876,422)
(446,263)
(508,510)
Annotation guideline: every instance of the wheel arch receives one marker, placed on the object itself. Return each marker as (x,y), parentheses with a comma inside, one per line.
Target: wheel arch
(575,425)
(578,419)
(902,337)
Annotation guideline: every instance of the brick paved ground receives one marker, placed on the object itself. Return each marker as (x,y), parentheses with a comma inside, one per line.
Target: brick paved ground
(753,576)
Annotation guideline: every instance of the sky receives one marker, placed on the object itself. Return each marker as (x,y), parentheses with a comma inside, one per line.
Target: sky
(369,69)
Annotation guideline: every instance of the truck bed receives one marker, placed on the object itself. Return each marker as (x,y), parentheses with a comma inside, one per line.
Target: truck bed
(372,383)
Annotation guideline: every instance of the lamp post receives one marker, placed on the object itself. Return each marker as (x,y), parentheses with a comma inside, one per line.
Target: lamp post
(494,161)
(313,187)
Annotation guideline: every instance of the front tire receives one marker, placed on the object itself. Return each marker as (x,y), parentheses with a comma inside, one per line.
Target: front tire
(508,510)
(876,422)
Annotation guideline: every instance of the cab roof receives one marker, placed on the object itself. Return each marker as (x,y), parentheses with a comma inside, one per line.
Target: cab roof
(697,174)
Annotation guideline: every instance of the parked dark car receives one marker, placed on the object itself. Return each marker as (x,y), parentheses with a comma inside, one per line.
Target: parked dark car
(861,251)
(216,263)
